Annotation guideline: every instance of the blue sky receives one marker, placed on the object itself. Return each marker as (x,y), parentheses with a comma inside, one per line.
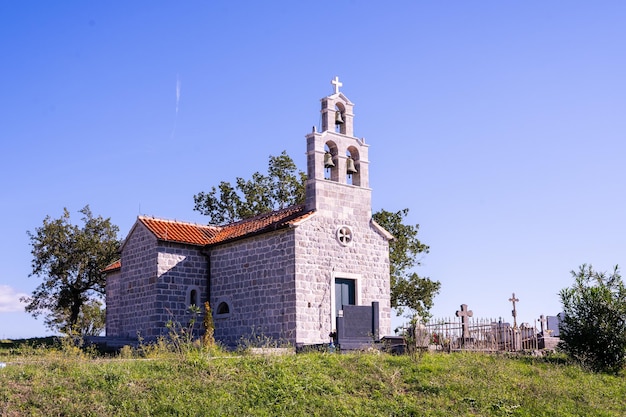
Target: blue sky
(500,125)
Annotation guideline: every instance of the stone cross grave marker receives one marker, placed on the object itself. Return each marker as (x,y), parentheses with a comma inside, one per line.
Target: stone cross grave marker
(542,322)
(514,312)
(465,314)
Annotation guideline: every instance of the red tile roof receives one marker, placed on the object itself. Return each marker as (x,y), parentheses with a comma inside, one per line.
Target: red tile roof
(262,223)
(113,266)
(201,235)
(181,232)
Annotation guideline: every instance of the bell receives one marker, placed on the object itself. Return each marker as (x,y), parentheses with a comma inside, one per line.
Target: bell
(350,168)
(338,118)
(328,160)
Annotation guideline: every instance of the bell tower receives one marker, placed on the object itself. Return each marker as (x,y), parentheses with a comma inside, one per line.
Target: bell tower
(337,161)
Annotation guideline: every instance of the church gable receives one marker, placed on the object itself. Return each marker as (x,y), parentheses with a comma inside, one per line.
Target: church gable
(330,251)
(163,271)
(133,285)
(138,250)
(381,230)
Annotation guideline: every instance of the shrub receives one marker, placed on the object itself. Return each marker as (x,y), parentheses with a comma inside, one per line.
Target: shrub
(208,339)
(593,329)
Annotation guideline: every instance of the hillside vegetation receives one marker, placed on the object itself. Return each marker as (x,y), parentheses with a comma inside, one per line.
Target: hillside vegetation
(66,382)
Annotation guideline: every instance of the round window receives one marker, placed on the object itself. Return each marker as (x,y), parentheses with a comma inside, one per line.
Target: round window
(344,235)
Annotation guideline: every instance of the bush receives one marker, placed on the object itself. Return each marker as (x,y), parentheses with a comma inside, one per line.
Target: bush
(593,329)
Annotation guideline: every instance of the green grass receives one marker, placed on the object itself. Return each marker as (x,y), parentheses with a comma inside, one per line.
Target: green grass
(64,381)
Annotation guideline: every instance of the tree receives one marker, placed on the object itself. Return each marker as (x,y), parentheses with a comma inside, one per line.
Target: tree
(408,289)
(91,319)
(593,329)
(70,260)
(284,186)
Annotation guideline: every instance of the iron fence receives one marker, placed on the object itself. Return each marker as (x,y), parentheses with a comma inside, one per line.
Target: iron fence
(479,335)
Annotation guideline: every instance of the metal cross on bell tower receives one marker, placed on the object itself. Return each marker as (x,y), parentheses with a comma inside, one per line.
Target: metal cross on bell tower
(336,84)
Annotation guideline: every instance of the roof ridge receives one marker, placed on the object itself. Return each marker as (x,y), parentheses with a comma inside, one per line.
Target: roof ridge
(266,214)
(176,221)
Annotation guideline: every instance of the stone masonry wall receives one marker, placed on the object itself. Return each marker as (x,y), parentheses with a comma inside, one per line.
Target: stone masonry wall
(181,269)
(255,277)
(320,258)
(154,286)
(113,311)
(129,304)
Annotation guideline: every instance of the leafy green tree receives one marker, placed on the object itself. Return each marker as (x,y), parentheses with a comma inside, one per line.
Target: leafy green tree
(408,289)
(593,329)
(284,186)
(70,260)
(91,319)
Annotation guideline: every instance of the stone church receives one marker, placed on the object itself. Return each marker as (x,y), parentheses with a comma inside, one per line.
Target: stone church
(286,275)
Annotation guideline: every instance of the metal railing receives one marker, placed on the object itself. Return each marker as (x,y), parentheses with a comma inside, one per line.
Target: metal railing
(478,335)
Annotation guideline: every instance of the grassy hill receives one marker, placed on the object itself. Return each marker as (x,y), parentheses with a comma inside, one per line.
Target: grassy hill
(67,382)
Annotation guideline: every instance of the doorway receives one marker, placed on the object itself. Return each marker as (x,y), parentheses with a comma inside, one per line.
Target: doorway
(345,293)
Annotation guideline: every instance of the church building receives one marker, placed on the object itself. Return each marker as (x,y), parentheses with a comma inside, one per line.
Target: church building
(286,275)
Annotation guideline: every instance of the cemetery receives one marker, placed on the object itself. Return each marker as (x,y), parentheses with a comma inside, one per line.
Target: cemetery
(357,329)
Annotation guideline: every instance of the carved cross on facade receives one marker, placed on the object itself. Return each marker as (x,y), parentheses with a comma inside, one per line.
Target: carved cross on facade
(344,234)
(336,84)
(514,312)
(465,314)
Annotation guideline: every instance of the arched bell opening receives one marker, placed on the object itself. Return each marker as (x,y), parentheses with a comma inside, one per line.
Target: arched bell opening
(352,166)
(340,118)
(331,171)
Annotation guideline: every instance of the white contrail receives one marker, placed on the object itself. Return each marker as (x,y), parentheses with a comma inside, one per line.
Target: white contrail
(177,92)
(177,101)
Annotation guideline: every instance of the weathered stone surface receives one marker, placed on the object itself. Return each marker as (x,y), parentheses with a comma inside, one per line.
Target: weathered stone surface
(255,277)
(153,286)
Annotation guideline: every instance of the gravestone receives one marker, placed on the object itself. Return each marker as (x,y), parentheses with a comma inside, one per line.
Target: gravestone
(502,333)
(359,326)
(550,338)
(542,322)
(554,323)
(421,335)
(517,340)
(514,311)
(465,314)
